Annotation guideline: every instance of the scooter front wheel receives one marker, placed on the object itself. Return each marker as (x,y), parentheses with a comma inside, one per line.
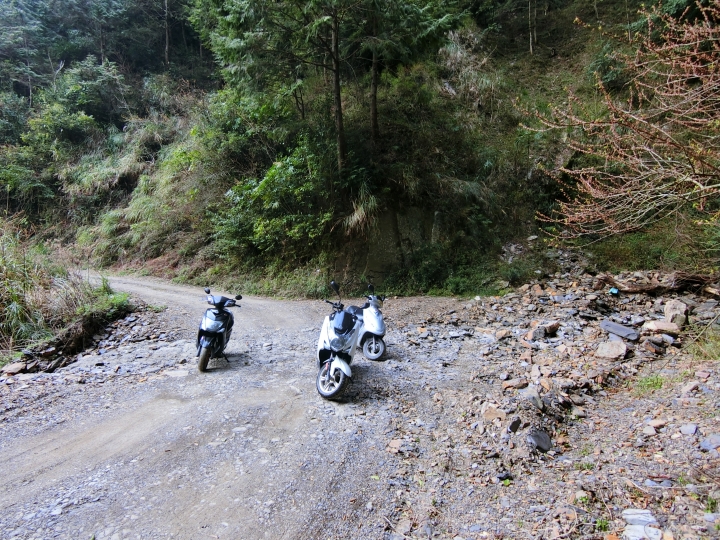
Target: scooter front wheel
(331,386)
(203,359)
(374,348)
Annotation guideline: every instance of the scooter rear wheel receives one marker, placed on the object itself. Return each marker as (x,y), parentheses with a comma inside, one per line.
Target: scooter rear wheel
(374,348)
(203,359)
(331,386)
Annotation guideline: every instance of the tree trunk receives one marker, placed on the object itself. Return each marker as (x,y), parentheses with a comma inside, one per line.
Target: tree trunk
(27,63)
(341,146)
(374,128)
(102,45)
(530,28)
(167,36)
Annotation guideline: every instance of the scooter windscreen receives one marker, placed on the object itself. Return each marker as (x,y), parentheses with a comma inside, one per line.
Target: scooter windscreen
(342,322)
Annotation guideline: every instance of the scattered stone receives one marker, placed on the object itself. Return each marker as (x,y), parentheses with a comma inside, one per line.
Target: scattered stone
(14,368)
(662,327)
(514,425)
(710,443)
(619,330)
(532,395)
(490,412)
(654,348)
(515,383)
(638,516)
(503,334)
(640,532)
(611,350)
(688,429)
(538,439)
(676,312)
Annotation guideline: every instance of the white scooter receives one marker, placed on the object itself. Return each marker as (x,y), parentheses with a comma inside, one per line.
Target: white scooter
(372,330)
(336,347)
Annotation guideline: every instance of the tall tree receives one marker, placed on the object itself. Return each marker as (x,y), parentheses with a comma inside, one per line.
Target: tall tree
(400,32)
(271,44)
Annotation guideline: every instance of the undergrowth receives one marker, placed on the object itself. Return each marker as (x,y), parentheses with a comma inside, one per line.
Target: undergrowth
(669,245)
(707,347)
(442,270)
(40,299)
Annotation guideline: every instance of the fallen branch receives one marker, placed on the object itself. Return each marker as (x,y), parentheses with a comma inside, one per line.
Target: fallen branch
(679,281)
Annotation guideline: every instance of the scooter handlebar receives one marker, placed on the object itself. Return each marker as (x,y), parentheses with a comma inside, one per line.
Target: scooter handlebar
(337,305)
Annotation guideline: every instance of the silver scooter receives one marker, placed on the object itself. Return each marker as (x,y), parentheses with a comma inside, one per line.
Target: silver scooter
(372,330)
(335,349)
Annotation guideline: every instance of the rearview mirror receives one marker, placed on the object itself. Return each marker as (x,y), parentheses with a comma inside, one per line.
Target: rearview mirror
(238,297)
(371,288)
(207,290)
(335,287)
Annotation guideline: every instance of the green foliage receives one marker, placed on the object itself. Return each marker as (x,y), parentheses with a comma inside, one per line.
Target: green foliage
(105,303)
(39,38)
(649,384)
(522,269)
(145,165)
(707,348)
(13,116)
(608,68)
(457,270)
(602,525)
(96,89)
(668,245)
(20,320)
(278,279)
(284,213)
(38,297)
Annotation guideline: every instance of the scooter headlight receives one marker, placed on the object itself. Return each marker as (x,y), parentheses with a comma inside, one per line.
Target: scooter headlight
(212,326)
(337,343)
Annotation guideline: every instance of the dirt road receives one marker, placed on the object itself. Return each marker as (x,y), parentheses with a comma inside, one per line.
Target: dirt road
(247,450)
(132,442)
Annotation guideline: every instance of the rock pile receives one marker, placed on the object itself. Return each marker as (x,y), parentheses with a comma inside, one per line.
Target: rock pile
(143,325)
(551,347)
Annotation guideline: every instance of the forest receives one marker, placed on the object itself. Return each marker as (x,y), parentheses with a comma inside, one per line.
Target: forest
(276,143)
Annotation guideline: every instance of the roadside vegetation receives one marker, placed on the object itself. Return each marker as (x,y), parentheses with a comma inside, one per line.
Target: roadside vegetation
(237,142)
(41,300)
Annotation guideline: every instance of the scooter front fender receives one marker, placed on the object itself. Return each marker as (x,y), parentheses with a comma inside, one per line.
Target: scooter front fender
(342,365)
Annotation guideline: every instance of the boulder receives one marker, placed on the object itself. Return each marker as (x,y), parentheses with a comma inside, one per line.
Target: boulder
(619,330)
(611,350)
(676,312)
(14,368)
(662,327)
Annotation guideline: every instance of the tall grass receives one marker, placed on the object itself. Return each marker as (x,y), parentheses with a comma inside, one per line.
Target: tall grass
(20,319)
(38,299)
